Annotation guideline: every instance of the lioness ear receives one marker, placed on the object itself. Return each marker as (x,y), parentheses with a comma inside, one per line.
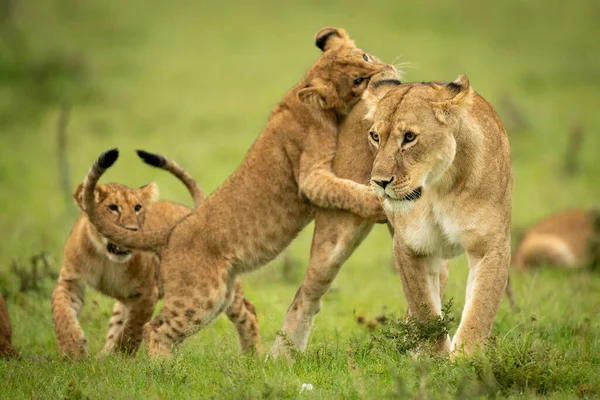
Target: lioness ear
(316,94)
(331,38)
(149,193)
(376,91)
(460,95)
(99,194)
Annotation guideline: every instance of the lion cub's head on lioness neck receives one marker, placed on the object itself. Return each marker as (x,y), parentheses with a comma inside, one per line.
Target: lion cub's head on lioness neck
(340,76)
(415,137)
(123,206)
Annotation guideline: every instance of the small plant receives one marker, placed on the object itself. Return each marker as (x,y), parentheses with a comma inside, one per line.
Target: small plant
(31,279)
(412,334)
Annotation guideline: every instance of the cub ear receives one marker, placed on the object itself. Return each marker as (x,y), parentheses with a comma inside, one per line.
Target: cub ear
(316,95)
(457,94)
(100,193)
(149,193)
(332,38)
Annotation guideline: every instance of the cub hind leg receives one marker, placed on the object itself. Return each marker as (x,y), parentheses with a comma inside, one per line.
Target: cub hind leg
(242,314)
(191,302)
(336,236)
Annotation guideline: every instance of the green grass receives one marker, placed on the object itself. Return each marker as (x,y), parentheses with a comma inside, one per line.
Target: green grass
(197,82)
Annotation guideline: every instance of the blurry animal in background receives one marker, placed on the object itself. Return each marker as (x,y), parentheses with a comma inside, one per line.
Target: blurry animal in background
(131,277)
(442,168)
(568,239)
(265,203)
(6,348)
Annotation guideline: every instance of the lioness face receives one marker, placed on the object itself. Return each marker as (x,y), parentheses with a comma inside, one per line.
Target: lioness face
(341,75)
(413,139)
(123,206)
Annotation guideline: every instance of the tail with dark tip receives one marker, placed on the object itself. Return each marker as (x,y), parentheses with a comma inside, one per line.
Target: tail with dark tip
(140,240)
(159,161)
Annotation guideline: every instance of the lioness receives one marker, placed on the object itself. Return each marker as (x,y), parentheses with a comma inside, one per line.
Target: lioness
(131,277)
(338,233)
(567,239)
(6,348)
(267,201)
(442,168)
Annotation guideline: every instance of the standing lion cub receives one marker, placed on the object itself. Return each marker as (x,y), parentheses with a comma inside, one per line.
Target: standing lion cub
(442,169)
(131,277)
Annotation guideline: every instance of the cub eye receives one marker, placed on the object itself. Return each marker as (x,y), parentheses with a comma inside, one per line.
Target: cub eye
(137,208)
(409,136)
(358,81)
(375,136)
(113,207)
(366,57)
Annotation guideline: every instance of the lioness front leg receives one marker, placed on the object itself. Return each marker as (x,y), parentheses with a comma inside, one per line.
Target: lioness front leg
(336,236)
(420,278)
(242,314)
(67,301)
(488,274)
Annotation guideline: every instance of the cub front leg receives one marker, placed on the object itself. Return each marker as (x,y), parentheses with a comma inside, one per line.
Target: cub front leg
(488,274)
(67,301)
(127,323)
(420,278)
(324,189)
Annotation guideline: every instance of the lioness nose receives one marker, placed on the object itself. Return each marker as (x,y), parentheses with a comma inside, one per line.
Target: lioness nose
(383,182)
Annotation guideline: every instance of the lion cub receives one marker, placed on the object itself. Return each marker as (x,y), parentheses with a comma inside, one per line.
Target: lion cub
(265,203)
(567,239)
(131,277)
(442,169)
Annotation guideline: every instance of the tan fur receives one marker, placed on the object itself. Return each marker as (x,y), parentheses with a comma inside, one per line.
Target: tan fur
(267,201)
(560,240)
(6,348)
(337,233)
(134,280)
(447,142)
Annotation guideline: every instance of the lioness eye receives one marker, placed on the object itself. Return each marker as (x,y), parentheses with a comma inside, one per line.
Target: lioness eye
(137,207)
(366,57)
(113,207)
(358,81)
(374,136)
(409,137)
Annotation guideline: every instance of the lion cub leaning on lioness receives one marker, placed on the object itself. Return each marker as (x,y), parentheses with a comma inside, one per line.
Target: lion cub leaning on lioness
(442,169)
(131,277)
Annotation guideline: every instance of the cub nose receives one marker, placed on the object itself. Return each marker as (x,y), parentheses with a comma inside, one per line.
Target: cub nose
(383,182)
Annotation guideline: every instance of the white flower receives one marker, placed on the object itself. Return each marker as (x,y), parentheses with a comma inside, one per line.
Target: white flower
(306,386)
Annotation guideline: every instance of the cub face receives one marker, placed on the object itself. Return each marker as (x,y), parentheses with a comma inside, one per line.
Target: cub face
(340,76)
(413,137)
(123,206)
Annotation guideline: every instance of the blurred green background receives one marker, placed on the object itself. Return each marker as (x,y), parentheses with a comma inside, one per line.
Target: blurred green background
(197,80)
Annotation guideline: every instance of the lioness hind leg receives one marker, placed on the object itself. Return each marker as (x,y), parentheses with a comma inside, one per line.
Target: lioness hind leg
(488,274)
(67,301)
(421,279)
(242,314)
(336,236)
